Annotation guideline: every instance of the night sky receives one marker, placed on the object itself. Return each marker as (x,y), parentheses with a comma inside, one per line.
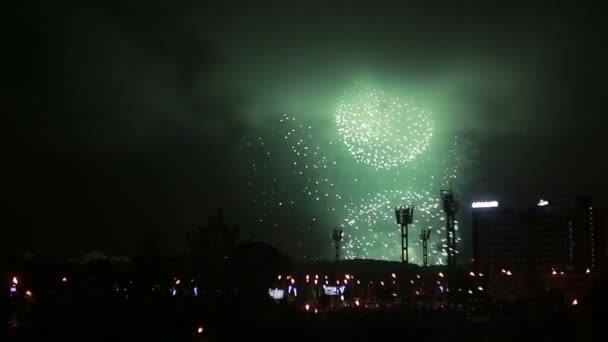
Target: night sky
(125,120)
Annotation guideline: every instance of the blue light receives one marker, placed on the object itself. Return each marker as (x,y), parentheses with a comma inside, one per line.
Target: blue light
(441,288)
(196,291)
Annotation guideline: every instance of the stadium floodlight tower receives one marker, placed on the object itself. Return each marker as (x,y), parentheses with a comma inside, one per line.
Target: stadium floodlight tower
(450,207)
(424,236)
(405,217)
(337,237)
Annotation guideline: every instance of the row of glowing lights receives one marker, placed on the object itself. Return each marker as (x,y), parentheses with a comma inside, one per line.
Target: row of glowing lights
(347,277)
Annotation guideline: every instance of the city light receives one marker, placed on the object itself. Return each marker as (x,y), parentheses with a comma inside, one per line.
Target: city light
(307,307)
(276,293)
(393,275)
(357,302)
(15,280)
(575,302)
(441,274)
(588,270)
(472,274)
(200,330)
(28,294)
(177,282)
(542,203)
(195,291)
(486,204)
(554,272)
(64,279)
(509,273)
(279,277)
(347,276)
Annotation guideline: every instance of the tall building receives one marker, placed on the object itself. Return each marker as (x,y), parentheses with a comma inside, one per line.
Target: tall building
(557,234)
(534,240)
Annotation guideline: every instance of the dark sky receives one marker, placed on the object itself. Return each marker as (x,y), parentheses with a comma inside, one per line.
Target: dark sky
(124,119)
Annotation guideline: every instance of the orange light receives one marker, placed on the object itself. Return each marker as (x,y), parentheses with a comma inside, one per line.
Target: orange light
(575,302)
(200,330)
(15,280)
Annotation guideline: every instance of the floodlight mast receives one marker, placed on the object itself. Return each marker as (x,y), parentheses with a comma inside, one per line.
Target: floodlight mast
(450,207)
(405,217)
(425,236)
(337,237)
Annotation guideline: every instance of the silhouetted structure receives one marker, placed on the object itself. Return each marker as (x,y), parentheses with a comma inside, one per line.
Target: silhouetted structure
(424,236)
(450,206)
(536,243)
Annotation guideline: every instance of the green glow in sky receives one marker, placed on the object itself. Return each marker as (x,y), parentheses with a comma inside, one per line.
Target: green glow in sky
(305,181)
